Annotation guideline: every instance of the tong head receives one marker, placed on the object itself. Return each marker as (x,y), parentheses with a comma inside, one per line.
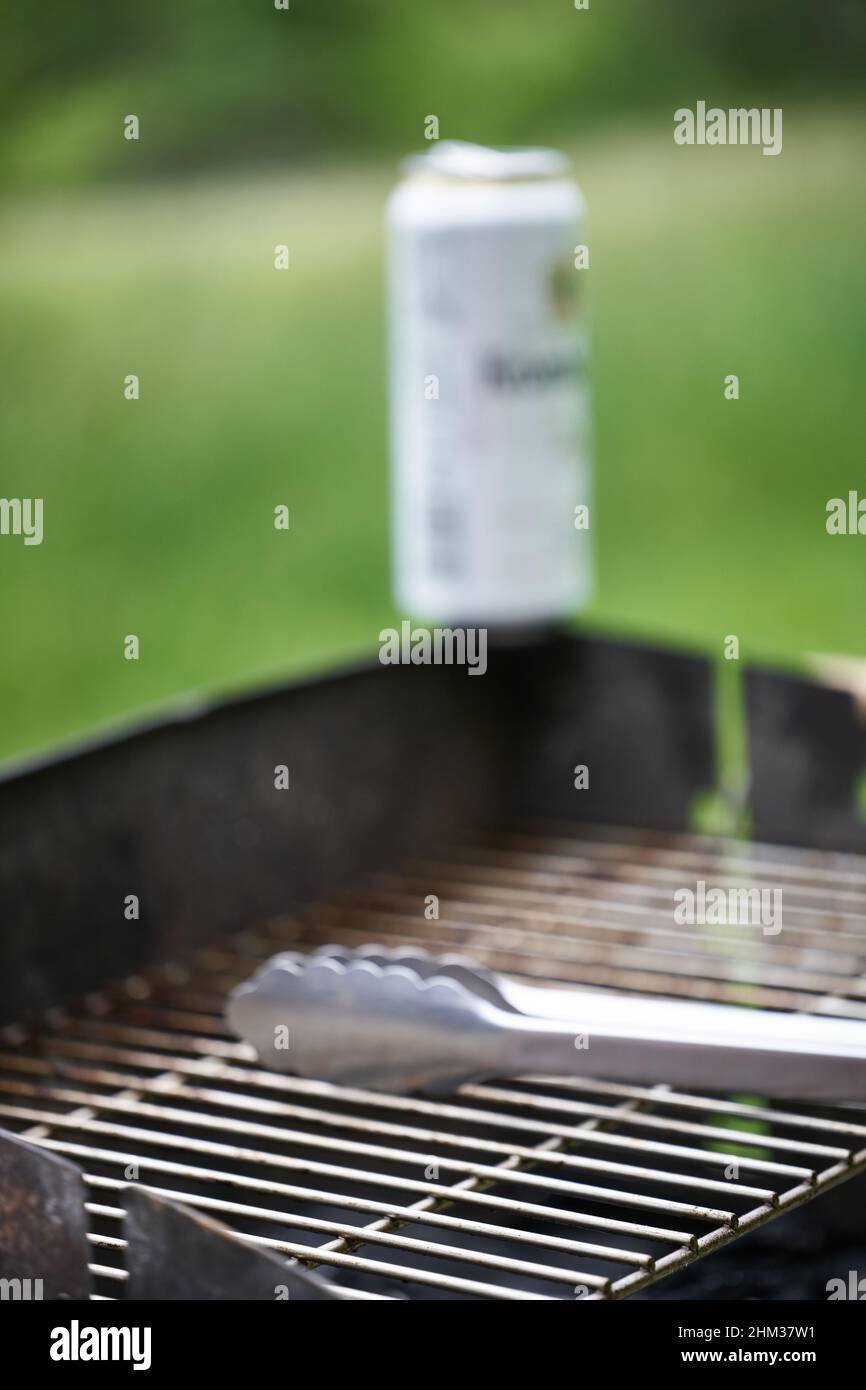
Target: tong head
(405,1021)
(361,1023)
(483,983)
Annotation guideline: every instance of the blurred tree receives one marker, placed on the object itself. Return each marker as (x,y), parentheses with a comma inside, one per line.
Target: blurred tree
(221,83)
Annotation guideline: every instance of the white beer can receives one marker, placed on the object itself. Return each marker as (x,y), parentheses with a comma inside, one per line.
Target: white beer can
(488,387)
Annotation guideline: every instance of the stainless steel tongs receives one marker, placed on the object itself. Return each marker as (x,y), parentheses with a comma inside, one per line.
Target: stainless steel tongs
(405,1020)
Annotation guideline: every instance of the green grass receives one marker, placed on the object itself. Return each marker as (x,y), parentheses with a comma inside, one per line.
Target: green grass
(261,387)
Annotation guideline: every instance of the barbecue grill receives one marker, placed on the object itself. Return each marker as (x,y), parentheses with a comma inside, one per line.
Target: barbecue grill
(408,785)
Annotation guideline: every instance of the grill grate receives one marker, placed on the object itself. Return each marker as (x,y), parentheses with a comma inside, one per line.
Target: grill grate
(531,1189)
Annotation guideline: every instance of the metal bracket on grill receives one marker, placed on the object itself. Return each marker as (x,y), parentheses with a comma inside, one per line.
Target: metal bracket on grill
(638,717)
(807,748)
(43,1231)
(174,1253)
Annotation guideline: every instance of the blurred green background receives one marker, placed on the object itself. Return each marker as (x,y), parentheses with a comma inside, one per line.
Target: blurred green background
(261,126)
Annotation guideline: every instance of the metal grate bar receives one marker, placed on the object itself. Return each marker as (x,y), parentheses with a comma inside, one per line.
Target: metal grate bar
(709,964)
(641,846)
(533,873)
(82,1121)
(604,918)
(261,1080)
(419,1215)
(571,918)
(264,1106)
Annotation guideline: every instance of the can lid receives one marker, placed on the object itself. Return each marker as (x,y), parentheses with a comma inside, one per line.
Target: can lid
(459,159)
